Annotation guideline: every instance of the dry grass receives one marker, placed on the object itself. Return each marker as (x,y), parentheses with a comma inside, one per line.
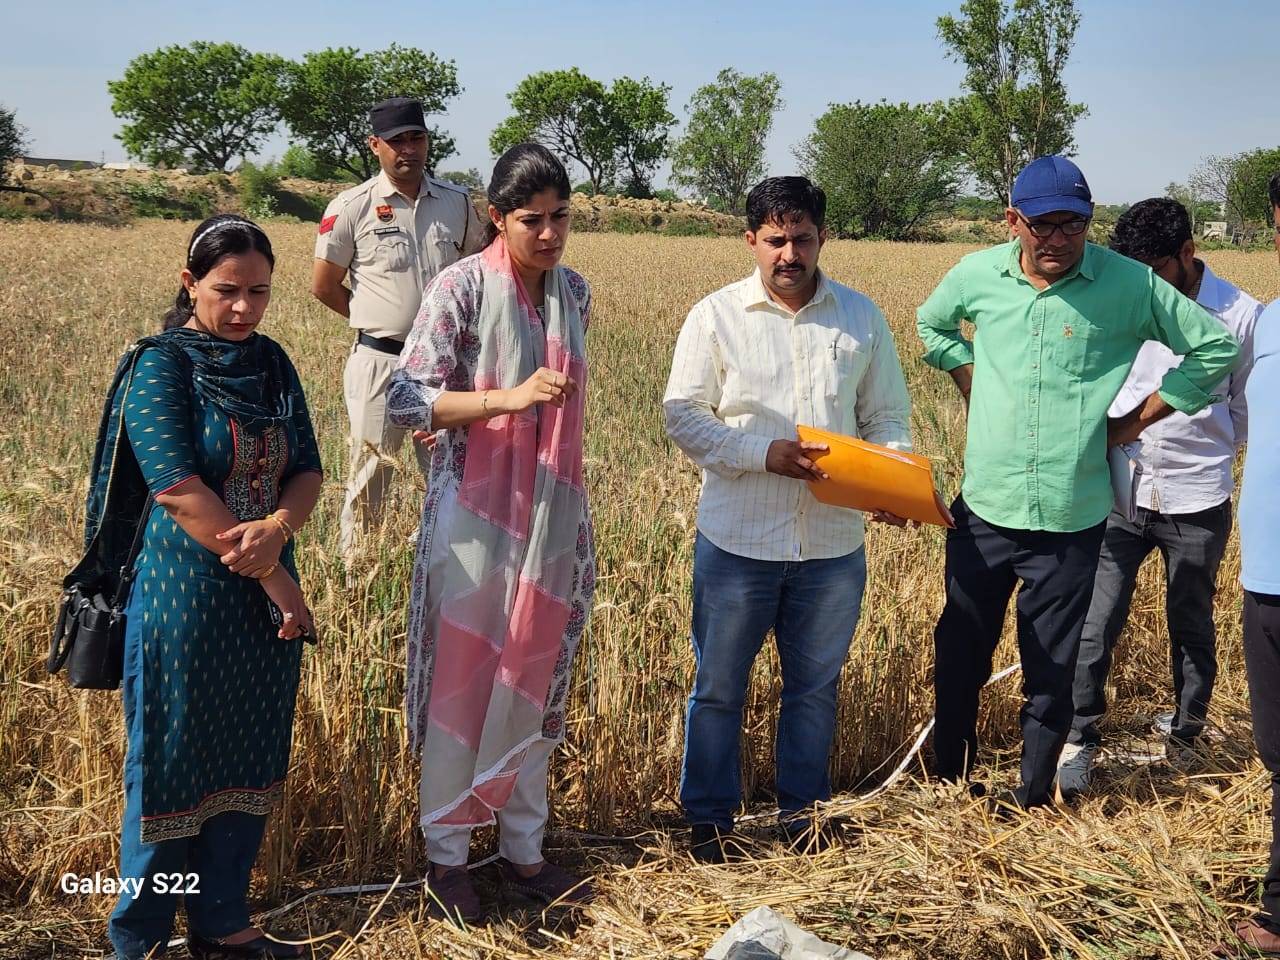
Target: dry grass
(1155,865)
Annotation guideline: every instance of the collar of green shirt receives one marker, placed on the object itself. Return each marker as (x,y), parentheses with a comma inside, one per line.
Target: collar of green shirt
(758,296)
(1084,267)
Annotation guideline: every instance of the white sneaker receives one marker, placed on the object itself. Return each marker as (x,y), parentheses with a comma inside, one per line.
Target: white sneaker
(1162,723)
(1075,768)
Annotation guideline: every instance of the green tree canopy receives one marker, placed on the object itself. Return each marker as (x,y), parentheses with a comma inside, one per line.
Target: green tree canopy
(328,95)
(298,161)
(620,130)
(642,127)
(1248,187)
(469,178)
(1199,208)
(204,104)
(570,114)
(1017,108)
(721,154)
(886,168)
(13,140)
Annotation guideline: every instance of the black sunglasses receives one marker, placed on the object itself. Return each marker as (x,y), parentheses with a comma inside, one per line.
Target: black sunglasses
(1043,230)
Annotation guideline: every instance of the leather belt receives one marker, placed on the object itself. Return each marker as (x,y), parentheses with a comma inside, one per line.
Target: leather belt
(384,344)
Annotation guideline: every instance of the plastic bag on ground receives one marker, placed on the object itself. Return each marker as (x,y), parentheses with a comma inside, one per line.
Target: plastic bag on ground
(766,935)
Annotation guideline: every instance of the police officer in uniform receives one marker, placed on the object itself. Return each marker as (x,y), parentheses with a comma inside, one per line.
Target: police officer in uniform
(389,236)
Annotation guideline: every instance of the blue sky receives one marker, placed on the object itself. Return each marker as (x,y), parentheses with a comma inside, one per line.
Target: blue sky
(1166,83)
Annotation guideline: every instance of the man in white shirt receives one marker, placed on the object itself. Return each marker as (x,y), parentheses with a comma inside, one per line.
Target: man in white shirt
(1183,501)
(785,346)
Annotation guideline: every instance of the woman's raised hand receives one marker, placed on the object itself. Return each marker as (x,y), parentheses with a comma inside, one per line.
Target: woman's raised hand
(545,386)
(255,547)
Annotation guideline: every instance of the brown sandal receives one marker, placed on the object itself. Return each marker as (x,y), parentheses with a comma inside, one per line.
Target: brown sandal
(549,885)
(452,896)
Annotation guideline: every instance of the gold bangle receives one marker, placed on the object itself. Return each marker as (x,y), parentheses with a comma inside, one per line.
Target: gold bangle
(284,527)
(484,405)
(269,571)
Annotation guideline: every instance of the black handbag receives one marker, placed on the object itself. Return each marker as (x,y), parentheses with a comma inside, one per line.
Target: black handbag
(88,635)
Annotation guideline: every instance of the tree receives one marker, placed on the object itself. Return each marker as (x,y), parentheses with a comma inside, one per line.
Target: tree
(1198,207)
(570,114)
(1248,187)
(722,152)
(300,162)
(1237,183)
(203,104)
(1017,107)
(469,178)
(642,126)
(886,167)
(13,141)
(328,95)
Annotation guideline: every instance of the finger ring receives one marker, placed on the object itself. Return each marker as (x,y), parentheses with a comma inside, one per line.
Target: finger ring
(288,616)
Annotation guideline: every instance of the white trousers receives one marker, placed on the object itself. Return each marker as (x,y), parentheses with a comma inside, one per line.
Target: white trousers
(374,442)
(521,823)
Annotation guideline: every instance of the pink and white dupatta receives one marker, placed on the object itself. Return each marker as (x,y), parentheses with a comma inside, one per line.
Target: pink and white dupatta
(498,605)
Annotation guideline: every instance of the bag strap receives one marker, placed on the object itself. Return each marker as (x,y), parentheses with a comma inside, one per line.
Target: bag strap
(124,374)
(127,571)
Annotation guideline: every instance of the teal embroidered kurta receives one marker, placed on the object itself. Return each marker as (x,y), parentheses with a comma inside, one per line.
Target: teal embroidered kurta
(218,685)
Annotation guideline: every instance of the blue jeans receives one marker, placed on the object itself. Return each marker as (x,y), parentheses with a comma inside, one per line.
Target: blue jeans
(812,607)
(220,857)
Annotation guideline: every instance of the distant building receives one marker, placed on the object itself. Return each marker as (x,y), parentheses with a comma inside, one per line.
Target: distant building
(127,165)
(1213,230)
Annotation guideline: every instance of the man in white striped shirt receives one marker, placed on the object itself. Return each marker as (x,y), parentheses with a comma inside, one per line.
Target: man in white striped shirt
(785,346)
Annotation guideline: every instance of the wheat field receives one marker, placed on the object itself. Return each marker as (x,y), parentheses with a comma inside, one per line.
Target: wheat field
(1156,863)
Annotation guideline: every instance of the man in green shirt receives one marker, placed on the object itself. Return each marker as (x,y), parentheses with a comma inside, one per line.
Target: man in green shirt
(1057,324)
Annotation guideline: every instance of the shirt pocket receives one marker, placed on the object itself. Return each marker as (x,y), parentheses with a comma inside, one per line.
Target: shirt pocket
(393,252)
(844,360)
(1073,342)
(444,246)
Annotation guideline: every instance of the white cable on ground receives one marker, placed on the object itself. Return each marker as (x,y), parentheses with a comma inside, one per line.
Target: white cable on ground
(362,888)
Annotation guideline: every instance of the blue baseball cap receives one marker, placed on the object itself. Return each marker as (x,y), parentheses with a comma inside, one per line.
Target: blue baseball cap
(1051,185)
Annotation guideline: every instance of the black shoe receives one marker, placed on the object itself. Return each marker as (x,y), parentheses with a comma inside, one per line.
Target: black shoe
(709,844)
(804,837)
(259,948)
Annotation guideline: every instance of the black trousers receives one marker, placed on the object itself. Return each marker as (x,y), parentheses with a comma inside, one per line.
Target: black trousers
(1262,661)
(984,564)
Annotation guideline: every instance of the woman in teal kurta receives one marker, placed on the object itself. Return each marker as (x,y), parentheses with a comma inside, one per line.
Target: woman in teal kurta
(217,422)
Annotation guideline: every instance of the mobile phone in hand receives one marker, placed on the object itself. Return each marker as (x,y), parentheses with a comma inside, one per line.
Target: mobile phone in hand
(277,618)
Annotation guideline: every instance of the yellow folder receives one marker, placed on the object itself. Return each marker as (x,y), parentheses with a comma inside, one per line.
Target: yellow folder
(867,476)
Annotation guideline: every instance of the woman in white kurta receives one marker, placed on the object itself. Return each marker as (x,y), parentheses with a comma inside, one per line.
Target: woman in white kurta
(494,371)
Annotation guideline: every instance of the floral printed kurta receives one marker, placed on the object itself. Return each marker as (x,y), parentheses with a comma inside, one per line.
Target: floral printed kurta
(446,359)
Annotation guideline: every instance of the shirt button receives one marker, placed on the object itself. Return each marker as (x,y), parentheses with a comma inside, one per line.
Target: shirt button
(1030,468)
(262,462)
(255,484)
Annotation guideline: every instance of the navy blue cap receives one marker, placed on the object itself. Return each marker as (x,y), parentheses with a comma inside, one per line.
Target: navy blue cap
(396,116)
(1051,185)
